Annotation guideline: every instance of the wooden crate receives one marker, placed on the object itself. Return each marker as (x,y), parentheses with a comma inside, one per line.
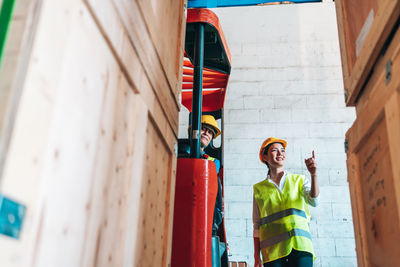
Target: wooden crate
(91,147)
(373,158)
(383,80)
(364,26)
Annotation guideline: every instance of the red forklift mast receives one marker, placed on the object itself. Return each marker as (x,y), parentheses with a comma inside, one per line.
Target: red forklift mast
(205,76)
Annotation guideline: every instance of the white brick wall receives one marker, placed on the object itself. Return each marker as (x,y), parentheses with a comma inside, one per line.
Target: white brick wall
(286,81)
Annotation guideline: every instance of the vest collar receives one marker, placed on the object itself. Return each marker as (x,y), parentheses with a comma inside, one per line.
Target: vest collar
(281,183)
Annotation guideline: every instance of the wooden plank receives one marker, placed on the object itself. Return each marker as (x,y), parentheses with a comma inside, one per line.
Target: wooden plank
(377,93)
(70,169)
(88,160)
(160,19)
(154,228)
(14,66)
(341,17)
(376,193)
(392,110)
(147,53)
(371,49)
(30,134)
(383,21)
(374,185)
(356,14)
(377,188)
(357,210)
(117,36)
(378,90)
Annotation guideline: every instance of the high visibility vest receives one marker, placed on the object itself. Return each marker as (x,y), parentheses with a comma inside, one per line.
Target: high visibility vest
(208,157)
(284,218)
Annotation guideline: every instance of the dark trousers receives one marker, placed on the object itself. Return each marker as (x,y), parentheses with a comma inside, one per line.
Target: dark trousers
(294,259)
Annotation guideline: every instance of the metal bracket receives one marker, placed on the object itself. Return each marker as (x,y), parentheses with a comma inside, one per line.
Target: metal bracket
(346,145)
(346,95)
(11,217)
(388,71)
(175,149)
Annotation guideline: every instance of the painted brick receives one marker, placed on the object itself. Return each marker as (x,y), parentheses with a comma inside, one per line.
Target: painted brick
(249,60)
(323,176)
(324,115)
(302,87)
(245,131)
(257,102)
(236,227)
(273,88)
(317,262)
(295,73)
(324,101)
(320,144)
(342,211)
(289,101)
(233,103)
(235,49)
(234,145)
(239,89)
(243,75)
(249,228)
(239,210)
(322,212)
(237,247)
(335,229)
(328,130)
(324,247)
(243,116)
(338,177)
(332,160)
(276,115)
(345,248)
(339,262)
(241,161)
(244,176)
(249,49)
(335,194)
(313,228)
(238,193)
(288,130)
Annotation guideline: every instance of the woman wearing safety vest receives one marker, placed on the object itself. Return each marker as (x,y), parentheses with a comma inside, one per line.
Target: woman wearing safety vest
(280,210)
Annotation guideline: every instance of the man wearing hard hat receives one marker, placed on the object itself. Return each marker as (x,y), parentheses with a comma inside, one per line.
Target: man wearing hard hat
(209,131)
(280,210)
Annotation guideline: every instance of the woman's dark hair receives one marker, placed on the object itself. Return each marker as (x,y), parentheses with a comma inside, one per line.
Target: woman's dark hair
(265,152)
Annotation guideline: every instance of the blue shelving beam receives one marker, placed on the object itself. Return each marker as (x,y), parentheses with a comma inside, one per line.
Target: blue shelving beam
(227,3)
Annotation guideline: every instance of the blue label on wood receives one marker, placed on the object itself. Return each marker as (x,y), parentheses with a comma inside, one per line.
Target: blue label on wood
(11,217)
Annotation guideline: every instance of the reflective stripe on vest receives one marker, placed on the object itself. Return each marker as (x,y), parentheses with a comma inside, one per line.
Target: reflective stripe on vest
(281,214)
(285,236)
(284,218)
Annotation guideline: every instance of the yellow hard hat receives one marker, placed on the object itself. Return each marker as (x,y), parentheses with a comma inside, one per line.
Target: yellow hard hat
(269,141)
(210,121)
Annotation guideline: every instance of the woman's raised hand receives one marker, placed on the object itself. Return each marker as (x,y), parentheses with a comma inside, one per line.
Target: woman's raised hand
(311,164)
